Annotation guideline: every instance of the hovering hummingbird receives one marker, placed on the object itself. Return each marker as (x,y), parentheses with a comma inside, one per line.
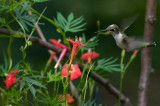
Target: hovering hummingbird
(125,42)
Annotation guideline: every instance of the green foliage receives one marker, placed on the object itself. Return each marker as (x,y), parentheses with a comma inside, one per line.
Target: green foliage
(70,24)
(24,18)
(91,43)
(53,101)
(108,65)
(28,80)
(53,77)
(3,6)
(4,67)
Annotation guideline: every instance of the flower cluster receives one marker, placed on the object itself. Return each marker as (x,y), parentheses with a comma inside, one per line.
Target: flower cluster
(74,70)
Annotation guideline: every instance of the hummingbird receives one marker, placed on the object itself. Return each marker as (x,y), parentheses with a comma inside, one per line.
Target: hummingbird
(125,42)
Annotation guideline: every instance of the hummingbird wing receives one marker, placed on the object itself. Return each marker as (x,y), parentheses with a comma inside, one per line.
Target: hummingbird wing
(125,24)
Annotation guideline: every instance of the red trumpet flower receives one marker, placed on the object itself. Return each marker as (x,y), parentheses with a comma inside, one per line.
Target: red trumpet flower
(75,43)
(89,55)
(74,71)
(10,78)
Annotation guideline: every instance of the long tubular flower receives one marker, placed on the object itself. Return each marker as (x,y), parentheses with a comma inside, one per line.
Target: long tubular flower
(61,56)
(10,78)
(65,49)
(75,43)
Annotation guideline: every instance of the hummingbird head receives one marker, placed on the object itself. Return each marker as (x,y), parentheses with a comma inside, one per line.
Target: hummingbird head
(113,29)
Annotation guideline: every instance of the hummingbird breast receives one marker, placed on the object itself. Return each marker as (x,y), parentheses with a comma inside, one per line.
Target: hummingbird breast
(120,41)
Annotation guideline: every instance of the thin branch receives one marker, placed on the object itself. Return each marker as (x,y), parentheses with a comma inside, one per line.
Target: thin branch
(95,76)
(35,40)
(146,55)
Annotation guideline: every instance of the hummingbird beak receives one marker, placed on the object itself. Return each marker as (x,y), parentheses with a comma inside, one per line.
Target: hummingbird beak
(104,30)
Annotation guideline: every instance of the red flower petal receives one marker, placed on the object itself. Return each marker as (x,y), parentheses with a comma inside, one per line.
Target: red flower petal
(74,71)
(10,78)
(76,42)
(58,43)
(88,55)
(70,99)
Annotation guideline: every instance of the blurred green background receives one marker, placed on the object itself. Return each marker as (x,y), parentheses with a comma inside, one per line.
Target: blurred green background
(108,12)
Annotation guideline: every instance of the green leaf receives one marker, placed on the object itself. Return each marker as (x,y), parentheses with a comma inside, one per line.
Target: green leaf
(108,65)
(77,21)
(91,43)
(34,82)
(70,17)
(53,77)
(22,83)
(5,7)
(25,19)
(70,24)
(36,76)
(4,67)
(33,90)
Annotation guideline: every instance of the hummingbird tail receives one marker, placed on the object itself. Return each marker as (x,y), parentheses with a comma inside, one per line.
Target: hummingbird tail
(151,44)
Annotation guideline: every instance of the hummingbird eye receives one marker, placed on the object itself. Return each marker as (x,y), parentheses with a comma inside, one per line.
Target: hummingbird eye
(112,29)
